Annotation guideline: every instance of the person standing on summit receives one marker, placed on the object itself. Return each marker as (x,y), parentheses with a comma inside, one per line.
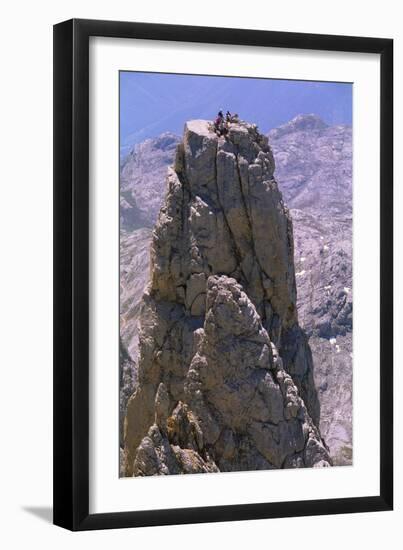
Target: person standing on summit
(219,124)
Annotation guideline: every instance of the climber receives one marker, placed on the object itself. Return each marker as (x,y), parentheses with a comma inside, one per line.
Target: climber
(218,123)
(220,126)
(228,117)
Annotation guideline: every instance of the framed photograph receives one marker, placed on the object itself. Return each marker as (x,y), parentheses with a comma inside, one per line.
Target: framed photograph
(223,320)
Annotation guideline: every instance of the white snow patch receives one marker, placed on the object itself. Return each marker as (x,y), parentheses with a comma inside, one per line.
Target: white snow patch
(328,287)
(321,238)
(325,247)
(337,348)
(300,273)
(347,289)
(303,260)
(332,341)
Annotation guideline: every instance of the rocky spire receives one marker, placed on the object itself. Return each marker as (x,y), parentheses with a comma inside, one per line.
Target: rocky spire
(225,372)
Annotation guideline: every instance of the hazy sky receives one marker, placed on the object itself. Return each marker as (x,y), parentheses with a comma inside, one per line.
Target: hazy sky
(152,103)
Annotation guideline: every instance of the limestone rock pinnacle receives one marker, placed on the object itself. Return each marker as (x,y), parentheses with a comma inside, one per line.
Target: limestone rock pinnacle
(225,379)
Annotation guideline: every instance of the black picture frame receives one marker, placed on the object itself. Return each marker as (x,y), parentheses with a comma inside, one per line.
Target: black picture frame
(71,274)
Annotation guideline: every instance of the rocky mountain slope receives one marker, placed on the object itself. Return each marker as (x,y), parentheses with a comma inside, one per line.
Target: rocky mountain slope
(314,162)
(313,170)
(142,178)
(134,275)
(225,373)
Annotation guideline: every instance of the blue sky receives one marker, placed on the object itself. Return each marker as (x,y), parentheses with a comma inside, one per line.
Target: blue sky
(152,103)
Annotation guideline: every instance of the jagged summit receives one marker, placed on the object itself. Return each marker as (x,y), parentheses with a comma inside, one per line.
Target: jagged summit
(301,122)
(206,128)
(225,372)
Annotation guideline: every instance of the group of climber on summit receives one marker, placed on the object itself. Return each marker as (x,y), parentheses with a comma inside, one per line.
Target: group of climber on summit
(221,123)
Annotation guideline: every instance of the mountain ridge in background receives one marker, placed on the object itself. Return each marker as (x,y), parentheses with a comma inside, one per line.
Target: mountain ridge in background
(153,103)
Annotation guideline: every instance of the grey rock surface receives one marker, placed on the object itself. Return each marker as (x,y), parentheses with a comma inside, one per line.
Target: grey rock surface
(225,374)
(334,383)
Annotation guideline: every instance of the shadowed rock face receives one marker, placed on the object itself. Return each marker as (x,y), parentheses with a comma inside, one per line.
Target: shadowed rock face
(127,384)
(225,377)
